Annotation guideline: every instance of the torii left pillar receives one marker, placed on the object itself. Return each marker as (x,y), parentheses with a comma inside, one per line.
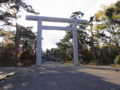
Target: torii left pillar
(39,43)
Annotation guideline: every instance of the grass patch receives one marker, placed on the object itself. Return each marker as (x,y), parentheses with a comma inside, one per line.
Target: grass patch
(69,61)
(24,63)
(117,66)
(7,63)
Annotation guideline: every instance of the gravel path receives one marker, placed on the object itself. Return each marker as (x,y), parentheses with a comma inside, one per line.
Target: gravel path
(56,76)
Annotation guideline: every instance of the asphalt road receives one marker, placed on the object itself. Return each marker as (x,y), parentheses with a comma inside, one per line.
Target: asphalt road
(57,76)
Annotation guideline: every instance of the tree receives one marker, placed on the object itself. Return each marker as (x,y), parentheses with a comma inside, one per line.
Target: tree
(10,14)
(4,1)
(109,17)
(82,34)
(77,14)
(6,53)
(27,38)
(113,16)
(63,47)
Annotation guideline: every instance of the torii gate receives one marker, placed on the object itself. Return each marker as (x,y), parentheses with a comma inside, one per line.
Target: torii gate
(53,19)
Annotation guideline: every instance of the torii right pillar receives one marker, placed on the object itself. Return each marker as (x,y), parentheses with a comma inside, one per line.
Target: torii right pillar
(75,44)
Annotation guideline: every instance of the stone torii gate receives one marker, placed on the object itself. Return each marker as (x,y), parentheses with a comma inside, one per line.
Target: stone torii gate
(53,19)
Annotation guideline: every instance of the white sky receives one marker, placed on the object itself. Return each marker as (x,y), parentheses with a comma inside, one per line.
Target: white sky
(61,8)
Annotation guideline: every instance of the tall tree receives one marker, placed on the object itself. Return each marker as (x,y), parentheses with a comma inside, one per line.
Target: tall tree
(82,35)
(109,17)
(4,1)
(9,14)
(27,38)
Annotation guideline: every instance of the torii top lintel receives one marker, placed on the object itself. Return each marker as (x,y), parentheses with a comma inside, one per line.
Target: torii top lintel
(54,19)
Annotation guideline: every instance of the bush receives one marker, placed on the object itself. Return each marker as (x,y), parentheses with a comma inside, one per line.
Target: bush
(117,60)
(27,63)
(87,57)
(7,63)
(26,58)
(69,61)
(96,62)
(84,63)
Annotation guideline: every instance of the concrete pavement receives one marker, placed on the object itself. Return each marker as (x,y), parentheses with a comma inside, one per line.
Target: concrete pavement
(57,76)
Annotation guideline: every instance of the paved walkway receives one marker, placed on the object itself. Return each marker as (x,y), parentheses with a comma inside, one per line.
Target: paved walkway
(56,76)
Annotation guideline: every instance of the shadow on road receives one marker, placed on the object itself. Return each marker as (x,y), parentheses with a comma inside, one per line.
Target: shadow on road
(56,77)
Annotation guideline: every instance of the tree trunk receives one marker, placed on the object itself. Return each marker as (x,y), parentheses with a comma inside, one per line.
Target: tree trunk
(92,45)
(16,45)
(93,50)
(79,52)
(118,48)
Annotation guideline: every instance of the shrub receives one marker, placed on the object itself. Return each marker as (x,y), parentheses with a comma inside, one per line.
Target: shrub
(84,63)
(87,56)
(7,63)
(117,60)
(96,62)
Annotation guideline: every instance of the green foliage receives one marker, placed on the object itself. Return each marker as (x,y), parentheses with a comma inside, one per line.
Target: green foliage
(83,62)
(4,1)
(24,56)
(28,63)
(69,61)
(5,33)
(7,63)
(96,62)
(87,56)
(104,28)
(27,37)
(77,14)
(117,60)
(100,15)
(9,15)
(100,27)
(105,59)
(6,52)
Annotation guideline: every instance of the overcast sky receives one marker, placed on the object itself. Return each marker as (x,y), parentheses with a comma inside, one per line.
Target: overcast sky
(63,9)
